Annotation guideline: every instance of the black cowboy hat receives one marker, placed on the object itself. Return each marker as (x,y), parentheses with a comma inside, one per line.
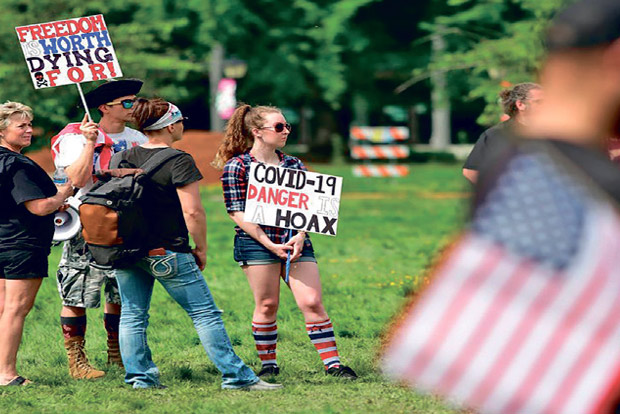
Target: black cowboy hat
(111,90)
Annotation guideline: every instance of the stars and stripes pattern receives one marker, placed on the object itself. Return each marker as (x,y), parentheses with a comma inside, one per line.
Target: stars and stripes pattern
(104,145)
(523,316)
(322,336)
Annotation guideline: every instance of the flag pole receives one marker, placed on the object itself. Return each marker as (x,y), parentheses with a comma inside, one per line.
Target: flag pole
(79,87)
(288,258)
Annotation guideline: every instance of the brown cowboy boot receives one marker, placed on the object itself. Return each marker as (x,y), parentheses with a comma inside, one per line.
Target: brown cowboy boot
(114,351)
(79,367)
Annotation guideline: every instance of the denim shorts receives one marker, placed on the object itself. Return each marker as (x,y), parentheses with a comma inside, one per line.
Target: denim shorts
(23,264)
(249,252)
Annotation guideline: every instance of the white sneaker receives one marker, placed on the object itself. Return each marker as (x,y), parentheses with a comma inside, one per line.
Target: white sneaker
(262,386)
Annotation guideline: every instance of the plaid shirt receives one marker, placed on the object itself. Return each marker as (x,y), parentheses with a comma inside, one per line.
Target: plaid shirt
(235,183)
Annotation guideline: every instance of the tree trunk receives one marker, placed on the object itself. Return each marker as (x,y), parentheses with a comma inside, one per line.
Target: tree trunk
(215,74)
(440,137)
(413,124)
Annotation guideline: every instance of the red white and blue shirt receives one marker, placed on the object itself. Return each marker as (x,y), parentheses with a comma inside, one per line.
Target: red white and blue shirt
(68,144)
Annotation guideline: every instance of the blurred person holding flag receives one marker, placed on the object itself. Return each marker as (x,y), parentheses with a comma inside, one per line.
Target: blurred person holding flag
(523,314)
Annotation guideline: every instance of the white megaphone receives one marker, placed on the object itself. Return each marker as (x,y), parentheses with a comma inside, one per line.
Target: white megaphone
(67,223)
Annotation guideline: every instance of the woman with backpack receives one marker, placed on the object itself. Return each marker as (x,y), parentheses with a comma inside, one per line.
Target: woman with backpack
(174,208)
(256,134)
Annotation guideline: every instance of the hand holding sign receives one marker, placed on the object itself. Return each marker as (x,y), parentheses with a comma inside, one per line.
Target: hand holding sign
(293,199)
(89,129)
(280,250)
(297,243)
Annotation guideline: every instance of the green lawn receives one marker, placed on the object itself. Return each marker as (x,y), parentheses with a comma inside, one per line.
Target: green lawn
(388,232)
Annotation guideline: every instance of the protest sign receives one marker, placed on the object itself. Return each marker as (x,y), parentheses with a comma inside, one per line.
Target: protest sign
(68,51)
(293,199)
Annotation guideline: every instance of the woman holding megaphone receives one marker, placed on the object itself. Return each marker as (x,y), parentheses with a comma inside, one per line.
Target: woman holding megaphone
(29,200)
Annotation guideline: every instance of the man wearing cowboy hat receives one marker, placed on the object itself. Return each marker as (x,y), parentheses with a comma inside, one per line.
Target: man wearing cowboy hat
(79,280)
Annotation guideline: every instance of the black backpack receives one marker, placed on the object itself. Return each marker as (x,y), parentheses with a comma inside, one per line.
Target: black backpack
(112,212)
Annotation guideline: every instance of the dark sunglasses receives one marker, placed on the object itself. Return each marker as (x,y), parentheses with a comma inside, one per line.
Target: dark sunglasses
(279,127)
(127,103)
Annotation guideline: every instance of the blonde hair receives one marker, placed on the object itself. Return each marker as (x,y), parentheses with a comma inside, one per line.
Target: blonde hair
(238,137)
(8,109)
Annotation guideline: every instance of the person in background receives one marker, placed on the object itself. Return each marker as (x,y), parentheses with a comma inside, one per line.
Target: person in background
(175,208)
(79,279)
(534,276)
(256,134)
(519,103)
(29,200)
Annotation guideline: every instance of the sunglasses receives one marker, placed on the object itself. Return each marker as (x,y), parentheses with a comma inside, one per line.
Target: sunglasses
(127,103)
(279,127)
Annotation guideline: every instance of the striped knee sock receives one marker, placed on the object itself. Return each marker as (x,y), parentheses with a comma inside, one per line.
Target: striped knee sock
(322,336)
(266,338)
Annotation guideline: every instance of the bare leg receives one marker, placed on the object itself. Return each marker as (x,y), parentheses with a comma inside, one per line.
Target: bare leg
(19,297)
(112,308)
(265,284)
(72,312)
(1,296)
(305,283)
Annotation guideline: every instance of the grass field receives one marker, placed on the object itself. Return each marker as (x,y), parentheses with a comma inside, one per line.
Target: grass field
(388,232)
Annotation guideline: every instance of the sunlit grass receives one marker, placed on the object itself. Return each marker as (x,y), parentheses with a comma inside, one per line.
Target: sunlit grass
(388,232)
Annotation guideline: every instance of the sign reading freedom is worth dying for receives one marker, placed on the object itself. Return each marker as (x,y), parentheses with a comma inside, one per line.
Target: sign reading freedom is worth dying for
(293,199)
(68,51)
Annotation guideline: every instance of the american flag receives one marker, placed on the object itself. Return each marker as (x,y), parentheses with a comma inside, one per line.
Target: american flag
(523,315)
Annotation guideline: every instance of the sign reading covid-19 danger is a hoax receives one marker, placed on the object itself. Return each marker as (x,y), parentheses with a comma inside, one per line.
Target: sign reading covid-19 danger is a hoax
(68,51)
(293,199)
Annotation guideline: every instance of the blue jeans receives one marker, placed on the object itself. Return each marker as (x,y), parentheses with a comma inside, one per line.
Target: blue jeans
(180,276)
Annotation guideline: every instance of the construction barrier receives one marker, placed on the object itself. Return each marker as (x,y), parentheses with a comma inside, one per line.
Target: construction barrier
(380,170)
(379,143)
(383,135)
(379,152)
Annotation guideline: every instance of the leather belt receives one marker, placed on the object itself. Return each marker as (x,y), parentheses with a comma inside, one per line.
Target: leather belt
(160,251)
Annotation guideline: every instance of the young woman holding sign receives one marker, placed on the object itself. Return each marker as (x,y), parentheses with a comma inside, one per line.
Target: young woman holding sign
(255,134)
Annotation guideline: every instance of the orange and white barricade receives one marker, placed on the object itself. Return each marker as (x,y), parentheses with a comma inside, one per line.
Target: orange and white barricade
(379,143)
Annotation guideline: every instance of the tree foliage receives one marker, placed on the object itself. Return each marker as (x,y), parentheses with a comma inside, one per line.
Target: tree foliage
(321,54)
(294,53)
(491,44)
